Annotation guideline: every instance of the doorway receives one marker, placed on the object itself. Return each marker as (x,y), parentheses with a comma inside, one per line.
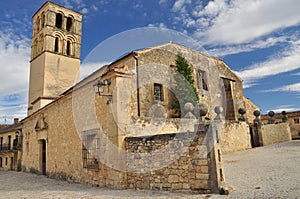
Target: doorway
(12,163)
(43,156)
(230,106)
(254,136)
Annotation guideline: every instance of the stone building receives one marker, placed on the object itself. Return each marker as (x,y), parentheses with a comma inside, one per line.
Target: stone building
(293,119)
(11,146)
(121,133)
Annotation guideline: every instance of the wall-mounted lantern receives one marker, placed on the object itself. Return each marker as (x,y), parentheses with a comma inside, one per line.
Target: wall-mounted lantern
(99,88)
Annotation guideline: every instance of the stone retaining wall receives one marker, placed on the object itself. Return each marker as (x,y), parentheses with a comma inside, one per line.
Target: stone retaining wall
(170,161)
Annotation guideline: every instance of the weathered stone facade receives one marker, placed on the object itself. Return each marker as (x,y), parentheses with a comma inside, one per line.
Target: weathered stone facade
(293,119)
(11,146)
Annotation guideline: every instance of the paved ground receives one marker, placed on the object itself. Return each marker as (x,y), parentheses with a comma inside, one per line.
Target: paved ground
(266,172)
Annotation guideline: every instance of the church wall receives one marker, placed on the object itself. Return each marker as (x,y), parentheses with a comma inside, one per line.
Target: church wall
(64,146)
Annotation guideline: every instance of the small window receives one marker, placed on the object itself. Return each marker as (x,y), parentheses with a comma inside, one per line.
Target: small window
(6,161)
(202,80)
(1,162)
(158,92)
(296,120)
(69,24)
(56,45)
(58,21)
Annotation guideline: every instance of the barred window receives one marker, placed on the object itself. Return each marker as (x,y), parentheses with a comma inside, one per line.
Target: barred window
(90,149)
(158,92)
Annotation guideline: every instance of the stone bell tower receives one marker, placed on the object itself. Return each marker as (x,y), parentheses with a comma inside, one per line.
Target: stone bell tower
(55,54)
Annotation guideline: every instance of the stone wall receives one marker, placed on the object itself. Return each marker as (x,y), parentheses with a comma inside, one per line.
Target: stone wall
(170,162)
(293,119)
(235,136)
(250,107)
(275,133)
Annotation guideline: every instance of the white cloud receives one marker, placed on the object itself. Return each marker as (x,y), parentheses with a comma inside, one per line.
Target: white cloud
(14,61)
(179,5)
(287,108)
(248,47)
(213,8)
(288,88)
(244,20)
(84,11)
(88,68)
(162,2)
(286,61)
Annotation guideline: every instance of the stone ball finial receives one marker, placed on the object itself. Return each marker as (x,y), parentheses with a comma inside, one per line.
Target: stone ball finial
(188,107)
(271,113)
(218,109)
(271,119)
(242,111)
(200,110)
(284,116)
(256,113)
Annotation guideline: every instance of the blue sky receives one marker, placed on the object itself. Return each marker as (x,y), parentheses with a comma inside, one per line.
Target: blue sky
(259,39)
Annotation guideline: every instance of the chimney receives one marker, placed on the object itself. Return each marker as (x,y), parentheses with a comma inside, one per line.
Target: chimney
(16,120)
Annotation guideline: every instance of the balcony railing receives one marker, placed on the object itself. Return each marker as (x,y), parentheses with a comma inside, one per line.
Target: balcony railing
(5,147)
(10,147)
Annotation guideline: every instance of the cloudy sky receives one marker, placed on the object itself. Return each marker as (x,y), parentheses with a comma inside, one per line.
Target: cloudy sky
(259,39)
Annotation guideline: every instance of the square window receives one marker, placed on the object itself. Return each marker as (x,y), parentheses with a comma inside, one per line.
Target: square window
(296,120)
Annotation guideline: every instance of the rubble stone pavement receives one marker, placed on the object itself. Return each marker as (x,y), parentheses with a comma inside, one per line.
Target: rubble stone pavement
(263,172)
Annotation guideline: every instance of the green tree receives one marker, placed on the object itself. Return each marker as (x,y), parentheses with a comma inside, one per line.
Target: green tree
(183,88)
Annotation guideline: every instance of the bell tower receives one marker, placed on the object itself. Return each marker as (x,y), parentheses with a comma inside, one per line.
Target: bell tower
(55,54)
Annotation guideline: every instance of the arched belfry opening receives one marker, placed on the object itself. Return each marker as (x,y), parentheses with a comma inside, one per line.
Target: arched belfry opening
(56,45)
(69,24)
(58,21)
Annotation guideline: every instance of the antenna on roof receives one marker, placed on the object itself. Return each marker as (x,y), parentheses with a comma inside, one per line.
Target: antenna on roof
(5,118)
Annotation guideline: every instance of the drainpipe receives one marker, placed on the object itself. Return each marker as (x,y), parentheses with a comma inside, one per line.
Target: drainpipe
(137,83)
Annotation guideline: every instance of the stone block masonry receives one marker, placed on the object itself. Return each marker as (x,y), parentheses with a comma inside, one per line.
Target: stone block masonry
(177,161)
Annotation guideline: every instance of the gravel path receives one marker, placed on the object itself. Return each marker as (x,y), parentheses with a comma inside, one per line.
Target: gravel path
(265,172)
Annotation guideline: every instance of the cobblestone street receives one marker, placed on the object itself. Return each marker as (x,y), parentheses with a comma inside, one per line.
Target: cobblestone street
(264,172)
